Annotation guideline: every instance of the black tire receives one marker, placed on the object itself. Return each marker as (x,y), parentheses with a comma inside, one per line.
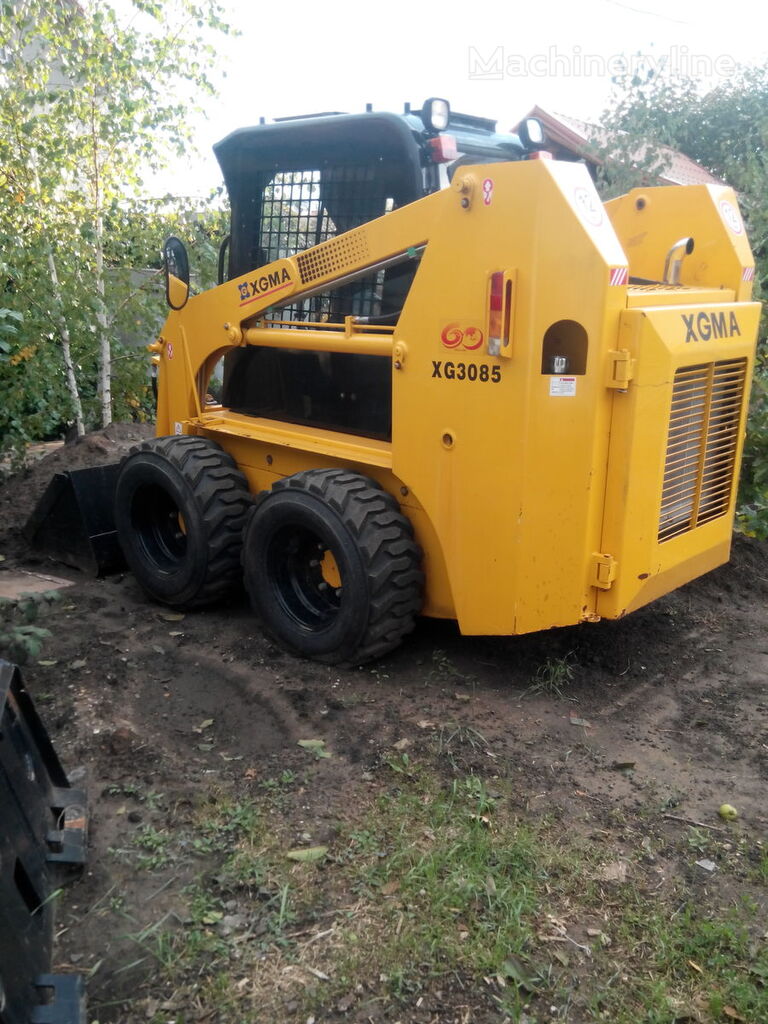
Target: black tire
(290,532)
(180,509)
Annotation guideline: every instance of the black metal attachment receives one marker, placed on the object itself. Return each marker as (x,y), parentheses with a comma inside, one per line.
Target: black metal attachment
(42,841)
(63,999)
(73,521)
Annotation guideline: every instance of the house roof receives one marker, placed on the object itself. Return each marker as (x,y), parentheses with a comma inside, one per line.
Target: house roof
(581,138)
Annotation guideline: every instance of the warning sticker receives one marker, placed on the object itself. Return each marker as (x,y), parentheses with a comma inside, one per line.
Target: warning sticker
(562,387)
(589,206)
(731,216)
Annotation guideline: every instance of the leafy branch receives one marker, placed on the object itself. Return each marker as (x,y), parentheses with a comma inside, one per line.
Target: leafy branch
(20,637)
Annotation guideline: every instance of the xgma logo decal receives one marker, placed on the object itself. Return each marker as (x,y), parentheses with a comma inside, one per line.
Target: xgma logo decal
(704,326)
(455,336)
(264,285)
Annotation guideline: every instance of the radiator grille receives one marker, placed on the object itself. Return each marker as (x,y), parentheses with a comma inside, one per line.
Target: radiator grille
(701,445)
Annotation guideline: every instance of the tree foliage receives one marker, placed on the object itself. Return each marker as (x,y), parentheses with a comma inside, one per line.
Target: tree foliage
(725,129)
(90,102)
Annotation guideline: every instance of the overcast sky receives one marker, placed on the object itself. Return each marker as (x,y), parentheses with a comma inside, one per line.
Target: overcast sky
(495,58)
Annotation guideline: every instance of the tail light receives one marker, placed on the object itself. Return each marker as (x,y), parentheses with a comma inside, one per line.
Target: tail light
(442,149)
(500,313)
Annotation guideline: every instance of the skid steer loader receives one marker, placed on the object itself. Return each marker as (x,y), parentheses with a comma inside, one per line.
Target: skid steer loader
(453,383)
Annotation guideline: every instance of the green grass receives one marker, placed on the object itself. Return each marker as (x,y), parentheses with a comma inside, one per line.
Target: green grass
(434,885)
(696,960)
(155,846)
(760,871)
(552,677)
(447,889)
(455,887)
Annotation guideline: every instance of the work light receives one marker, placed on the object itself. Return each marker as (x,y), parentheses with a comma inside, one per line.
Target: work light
(435,114)
(531,133)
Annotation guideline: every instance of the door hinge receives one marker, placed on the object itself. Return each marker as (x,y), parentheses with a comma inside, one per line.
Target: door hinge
(621,369)
(604,569)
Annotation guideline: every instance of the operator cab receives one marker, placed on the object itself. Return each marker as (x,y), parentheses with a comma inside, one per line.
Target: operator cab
(300,181)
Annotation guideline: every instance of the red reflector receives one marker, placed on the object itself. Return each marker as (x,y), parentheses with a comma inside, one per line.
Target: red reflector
(495,314)
(442,149)
(497,291)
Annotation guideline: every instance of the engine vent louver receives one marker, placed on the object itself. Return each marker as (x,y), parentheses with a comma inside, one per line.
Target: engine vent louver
(701,445)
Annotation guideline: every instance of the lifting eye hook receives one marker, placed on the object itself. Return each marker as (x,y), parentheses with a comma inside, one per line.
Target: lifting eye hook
(465,186)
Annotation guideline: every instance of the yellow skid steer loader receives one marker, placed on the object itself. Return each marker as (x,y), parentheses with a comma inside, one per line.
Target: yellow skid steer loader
(449,381)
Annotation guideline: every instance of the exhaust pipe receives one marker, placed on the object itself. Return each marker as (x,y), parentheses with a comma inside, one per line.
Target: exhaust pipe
(674,260)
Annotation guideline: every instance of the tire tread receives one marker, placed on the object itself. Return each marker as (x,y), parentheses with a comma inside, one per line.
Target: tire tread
(385,539)
(223,498)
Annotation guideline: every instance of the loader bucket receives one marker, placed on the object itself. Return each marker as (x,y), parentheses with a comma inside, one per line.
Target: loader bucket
(74,522)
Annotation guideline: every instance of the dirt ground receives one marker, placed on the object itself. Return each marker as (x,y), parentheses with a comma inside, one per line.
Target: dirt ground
(146,702)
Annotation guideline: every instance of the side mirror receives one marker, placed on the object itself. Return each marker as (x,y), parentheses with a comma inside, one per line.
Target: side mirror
(176,264)
(531,133)
(223,250)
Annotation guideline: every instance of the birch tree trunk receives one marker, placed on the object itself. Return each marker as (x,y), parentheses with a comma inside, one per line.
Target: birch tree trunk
(61,323)
(104,382)
(104,364)
(66,347)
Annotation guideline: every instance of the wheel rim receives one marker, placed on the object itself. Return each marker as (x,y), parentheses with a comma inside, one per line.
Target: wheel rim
(159,527)
(303,574)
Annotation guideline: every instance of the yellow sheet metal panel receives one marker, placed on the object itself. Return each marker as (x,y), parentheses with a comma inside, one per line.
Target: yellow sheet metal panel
(650,295)
(508,461)
(649,221)
(315,441)
(676,442)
